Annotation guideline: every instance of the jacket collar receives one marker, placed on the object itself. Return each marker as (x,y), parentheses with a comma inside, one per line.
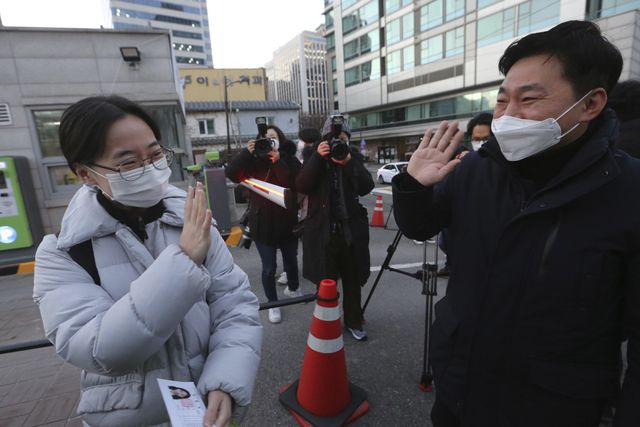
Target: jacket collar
(85,218)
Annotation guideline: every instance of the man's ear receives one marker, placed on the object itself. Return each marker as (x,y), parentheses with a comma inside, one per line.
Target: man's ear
(594,104)
(84,174)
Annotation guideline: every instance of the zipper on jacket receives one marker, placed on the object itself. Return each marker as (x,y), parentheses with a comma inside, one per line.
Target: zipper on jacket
(551,239)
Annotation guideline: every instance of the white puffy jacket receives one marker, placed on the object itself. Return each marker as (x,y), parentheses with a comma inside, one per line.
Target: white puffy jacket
(156,314)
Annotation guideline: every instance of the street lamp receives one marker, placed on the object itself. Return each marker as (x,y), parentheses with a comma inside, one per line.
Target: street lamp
(228,82)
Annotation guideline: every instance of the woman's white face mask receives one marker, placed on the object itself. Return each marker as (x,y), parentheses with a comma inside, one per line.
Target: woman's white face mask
(522,138)
(143,192)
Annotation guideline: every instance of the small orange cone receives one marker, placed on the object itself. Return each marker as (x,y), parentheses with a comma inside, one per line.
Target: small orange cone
(377,220)
(323,396)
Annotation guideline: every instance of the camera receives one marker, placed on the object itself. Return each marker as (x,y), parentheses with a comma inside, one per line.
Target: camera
(263,144)
(261,123)
(339,149)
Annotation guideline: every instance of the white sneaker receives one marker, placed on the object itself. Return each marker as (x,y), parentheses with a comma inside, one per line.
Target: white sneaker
(274,315)
(282,280)
(292,294)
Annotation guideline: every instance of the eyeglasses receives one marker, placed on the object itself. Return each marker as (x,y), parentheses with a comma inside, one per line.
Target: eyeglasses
(139,166)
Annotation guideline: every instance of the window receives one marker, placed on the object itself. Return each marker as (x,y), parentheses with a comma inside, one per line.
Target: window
(331,41)
(496,27)
(613,7)
(431,15)
(400,29)
(454,9)
(394,62)
(431,49)
(408,58)
(334,65)
(328,19)
(352,76)
(536,14)
(47,124)
(367,43)
(391,6)
(361,73)
(348,3)
(206,127)
(454,42)
(484,3)
(335,86)
(362,17)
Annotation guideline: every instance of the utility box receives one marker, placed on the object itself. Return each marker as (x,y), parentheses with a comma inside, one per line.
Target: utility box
(20,225)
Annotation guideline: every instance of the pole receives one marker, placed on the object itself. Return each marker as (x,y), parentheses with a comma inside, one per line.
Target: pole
(226,115)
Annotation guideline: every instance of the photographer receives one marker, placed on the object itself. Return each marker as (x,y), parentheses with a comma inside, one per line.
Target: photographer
(271,158)
(336,233)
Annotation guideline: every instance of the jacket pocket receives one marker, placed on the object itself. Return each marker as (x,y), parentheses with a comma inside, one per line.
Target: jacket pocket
(579,381)
(443,337)
(101,393)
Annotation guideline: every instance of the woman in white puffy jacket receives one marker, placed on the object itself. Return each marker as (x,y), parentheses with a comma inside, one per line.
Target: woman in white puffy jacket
(161,296)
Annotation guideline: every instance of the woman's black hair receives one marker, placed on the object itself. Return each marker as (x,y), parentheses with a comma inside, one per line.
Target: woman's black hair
(171,387)
(85,124)
(281,136)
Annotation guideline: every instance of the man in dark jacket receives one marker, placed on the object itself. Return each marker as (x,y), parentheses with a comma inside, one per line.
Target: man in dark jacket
(544,223)
(270,225)
(336,230)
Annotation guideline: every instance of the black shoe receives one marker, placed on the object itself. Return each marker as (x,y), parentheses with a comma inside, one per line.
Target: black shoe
(444,271)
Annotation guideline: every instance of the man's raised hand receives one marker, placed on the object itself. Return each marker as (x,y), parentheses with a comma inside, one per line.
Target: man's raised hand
(433,159)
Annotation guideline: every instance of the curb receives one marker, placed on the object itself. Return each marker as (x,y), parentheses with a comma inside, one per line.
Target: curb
(22,268)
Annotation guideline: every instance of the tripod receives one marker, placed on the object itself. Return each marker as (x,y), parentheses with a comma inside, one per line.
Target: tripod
(428,275)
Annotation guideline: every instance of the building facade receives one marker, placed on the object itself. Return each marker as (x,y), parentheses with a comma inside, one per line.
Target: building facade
(43,71)
(297,73)
(399,66)
(187,21)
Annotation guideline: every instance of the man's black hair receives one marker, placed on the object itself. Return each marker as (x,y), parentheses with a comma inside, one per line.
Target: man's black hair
(85,124)
(624,99)
(309,135)
(479,119)
(588,59)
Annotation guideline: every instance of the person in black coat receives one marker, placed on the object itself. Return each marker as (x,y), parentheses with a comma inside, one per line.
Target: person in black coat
(271,225)
(544,225)
(336,230)
(625,101)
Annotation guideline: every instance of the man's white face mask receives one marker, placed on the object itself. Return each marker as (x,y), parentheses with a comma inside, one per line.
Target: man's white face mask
(522,138)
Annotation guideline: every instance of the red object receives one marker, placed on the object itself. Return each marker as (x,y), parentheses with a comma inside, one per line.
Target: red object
(377,220)
(323,396)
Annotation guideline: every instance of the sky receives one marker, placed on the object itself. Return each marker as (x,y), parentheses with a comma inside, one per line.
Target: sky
(244,33)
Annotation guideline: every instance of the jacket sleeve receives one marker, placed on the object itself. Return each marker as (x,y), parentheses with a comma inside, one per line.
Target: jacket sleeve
(628,410)
(240,166)
(236,331)
(420,212)
(364,181)
(311,174)
(92,331)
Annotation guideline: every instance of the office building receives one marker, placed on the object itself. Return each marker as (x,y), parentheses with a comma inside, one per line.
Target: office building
(297,73)
(399,66)
(187,20)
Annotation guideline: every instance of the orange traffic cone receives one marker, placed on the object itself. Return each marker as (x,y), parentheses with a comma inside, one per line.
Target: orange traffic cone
(377,220)
(323,396)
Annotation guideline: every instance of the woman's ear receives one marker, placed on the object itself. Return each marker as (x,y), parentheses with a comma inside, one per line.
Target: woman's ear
(84,174)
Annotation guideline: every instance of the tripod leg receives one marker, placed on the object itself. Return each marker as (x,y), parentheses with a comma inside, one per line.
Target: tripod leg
(389,217)
(385,266)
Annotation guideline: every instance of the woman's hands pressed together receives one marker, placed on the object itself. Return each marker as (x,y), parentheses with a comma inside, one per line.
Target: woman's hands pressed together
(196,232)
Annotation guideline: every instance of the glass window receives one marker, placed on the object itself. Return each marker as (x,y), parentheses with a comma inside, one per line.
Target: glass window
(536,14)
(484,3)
(454,42)
(431,49)
(368,13)
(351,49)
(488,99)
(613,7)
(393,32)
(206,127)
(431,15)
(328,19)
(394,62)
(391,6)
(335,86)
(331,41)
(373,119)
(348,3)
(408,54)
(352,76)
(496,27)
(371,70)
(414,112)
(333,64)
(370,42)
(444,107)
(47,124)
(455,9)
(407,25)
(349,23)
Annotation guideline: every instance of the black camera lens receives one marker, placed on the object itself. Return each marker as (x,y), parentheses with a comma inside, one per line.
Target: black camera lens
(339,149)
(262,148)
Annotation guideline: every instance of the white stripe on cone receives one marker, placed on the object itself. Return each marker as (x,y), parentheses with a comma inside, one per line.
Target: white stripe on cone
(328,314)
(325,346)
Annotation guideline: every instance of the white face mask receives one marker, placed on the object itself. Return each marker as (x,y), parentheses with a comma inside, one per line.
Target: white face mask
(145,191)
(522,138)
(477,144)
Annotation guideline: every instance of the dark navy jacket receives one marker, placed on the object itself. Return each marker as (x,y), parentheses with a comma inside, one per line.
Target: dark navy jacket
(529,331)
